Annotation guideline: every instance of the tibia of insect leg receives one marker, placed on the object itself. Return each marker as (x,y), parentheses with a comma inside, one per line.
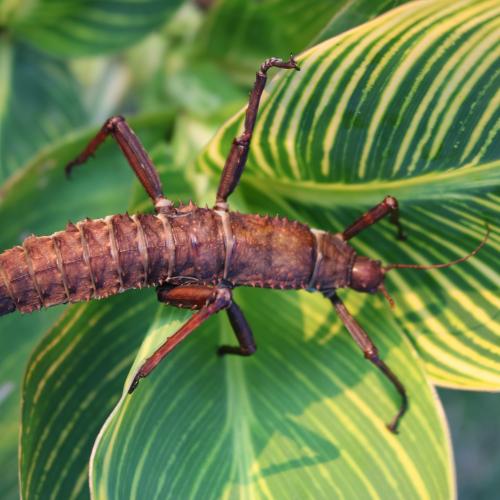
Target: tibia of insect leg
(370,352)
(243,334)
(393,424)
(276,62)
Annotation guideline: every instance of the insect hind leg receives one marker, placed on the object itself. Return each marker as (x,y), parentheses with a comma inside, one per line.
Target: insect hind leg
(209,301)
(118,128)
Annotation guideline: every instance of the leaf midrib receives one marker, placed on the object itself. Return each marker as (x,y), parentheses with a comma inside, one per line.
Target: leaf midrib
(429,186)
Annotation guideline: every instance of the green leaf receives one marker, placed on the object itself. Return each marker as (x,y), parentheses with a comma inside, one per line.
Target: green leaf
(18,335)
(405,105)
(41,200)
(39,101)
(242,34)
(304,417)
(69,389)
(85,27)
(299,419)
(352,14)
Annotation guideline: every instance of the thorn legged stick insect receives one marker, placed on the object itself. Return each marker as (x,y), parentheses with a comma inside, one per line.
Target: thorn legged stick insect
(196,256)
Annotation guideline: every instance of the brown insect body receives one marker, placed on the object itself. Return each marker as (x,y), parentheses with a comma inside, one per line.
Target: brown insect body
(197,255)
(98,258)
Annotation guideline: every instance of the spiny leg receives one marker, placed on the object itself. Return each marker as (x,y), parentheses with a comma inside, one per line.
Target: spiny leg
(371,353)
(218,299)
(136,155)
(237,157)
(388,206)
(243,333)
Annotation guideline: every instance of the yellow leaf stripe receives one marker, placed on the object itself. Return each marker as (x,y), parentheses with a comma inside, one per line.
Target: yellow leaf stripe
(300,418)
(407,105)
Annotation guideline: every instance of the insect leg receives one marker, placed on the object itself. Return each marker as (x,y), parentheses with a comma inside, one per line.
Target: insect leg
(243,333)
(194,297)
(219,298)
(186,296)
(235,161)
(136,155)
(388,206)
(371,353)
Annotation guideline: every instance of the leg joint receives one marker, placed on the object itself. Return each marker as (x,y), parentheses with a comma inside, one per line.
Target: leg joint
(391,202)
(248,350)
(222,298)
(243,140)
(112,123)
(371,353)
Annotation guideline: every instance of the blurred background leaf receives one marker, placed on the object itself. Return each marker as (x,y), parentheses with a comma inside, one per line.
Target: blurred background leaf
(39,101)
(84,27)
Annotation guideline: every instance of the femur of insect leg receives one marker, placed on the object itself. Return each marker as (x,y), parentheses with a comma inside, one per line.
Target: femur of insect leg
(388,206)
(221,298)
(138,159)
(237,156)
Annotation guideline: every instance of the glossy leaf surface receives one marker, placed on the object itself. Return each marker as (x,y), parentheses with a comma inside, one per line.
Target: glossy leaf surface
(305,416)
(406,105)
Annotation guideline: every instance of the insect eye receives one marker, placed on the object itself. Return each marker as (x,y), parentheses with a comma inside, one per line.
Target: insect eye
(367,275)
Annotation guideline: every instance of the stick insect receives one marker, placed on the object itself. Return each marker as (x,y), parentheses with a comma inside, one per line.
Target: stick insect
(221,249)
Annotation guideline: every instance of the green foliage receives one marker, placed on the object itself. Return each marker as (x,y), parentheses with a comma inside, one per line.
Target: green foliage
(85,27)
(404,104)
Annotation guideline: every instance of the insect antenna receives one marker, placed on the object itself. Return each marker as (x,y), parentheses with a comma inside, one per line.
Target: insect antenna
(388,267)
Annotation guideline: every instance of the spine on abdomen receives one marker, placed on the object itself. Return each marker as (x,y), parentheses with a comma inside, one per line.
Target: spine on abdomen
(91,259)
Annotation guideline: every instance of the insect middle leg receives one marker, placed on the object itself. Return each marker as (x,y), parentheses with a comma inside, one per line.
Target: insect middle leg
(237,157)
(388,206)
(136,155)
(209,301)
(194,297)
(371,353)
(243,333)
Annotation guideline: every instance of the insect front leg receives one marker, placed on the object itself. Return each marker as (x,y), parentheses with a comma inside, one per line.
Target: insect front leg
(371,353)
(208,300)
(136,155)
(388,206)
(237,157)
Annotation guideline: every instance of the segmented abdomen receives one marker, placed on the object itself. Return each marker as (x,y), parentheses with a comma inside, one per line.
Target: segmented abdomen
(98,258)
(92,259)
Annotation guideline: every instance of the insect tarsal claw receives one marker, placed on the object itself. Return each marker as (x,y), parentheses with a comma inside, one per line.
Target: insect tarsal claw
(135,383)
